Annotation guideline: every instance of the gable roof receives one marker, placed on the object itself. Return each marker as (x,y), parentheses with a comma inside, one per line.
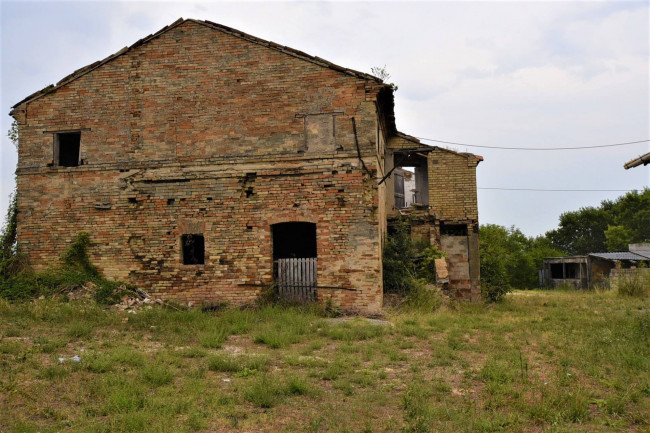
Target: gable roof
(233,32)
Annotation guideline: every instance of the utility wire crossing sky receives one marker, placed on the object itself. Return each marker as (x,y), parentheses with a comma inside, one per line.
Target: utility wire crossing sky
(534,148)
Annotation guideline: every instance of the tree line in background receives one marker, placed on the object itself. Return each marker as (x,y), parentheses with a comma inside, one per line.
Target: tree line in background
(510,259)
(610,227)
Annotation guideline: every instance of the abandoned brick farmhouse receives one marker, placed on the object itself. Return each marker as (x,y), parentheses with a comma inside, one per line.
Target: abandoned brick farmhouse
(207,165)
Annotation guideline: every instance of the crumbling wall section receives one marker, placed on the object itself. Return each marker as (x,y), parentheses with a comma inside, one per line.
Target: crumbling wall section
(452,186)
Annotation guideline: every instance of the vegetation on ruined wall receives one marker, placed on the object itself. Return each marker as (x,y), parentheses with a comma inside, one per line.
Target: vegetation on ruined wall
(409,265)
(382,73)
(8,247)
(510,260)
(73,271)
(9,259)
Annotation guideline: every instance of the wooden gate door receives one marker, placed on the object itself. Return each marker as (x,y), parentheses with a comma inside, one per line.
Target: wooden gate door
(296,279)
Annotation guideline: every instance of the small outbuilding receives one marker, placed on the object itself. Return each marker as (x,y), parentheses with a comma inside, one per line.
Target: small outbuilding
(591,270)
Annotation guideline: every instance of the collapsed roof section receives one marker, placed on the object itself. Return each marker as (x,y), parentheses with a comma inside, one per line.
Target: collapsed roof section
(409,143)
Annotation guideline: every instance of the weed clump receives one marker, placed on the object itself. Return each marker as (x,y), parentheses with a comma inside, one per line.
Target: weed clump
(73,271)
(636,284)
(237,364)
(268,390)
(418,413)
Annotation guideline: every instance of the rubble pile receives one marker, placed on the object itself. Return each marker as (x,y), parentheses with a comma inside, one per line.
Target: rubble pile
(135,300)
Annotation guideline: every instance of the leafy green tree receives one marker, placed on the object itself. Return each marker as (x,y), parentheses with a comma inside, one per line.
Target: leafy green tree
(582,231)
(609,227)
(495,258)
(617,238)
(632,212)
(510,259)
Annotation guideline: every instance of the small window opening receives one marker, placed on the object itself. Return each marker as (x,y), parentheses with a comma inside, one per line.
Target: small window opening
(249,192)
(193,249)
(453,229)
(170,201)
(133,200)
(66,149)
(556,271)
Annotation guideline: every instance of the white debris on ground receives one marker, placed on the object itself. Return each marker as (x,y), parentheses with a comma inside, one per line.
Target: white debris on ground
(139,299)
(133,299)
(75,358)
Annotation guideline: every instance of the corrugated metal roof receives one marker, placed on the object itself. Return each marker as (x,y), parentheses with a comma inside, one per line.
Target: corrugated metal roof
(622,255)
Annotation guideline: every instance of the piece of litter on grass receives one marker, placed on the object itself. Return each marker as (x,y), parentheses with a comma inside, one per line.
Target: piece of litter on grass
(226,380)
(72,358)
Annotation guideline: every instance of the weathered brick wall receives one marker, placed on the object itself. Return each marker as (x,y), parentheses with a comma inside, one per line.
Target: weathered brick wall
(172,133)
(462,266)
(452,186)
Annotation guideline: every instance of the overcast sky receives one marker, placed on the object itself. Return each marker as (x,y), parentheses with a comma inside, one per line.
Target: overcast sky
(511,74)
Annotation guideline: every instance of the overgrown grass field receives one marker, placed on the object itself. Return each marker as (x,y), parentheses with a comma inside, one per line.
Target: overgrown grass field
(539,362)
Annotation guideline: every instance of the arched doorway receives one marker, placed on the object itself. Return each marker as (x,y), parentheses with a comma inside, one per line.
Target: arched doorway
(295,260)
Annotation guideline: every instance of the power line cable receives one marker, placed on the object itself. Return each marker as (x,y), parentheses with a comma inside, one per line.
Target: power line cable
(560,190)
(533,148)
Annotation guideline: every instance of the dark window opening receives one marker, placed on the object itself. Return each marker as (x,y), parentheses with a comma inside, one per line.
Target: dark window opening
(249,192)
(193,249)
(453,229)
(571,270)
(66,149)
(556,271)
(294,240)
(133,200)
(170,201)
(393,229)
